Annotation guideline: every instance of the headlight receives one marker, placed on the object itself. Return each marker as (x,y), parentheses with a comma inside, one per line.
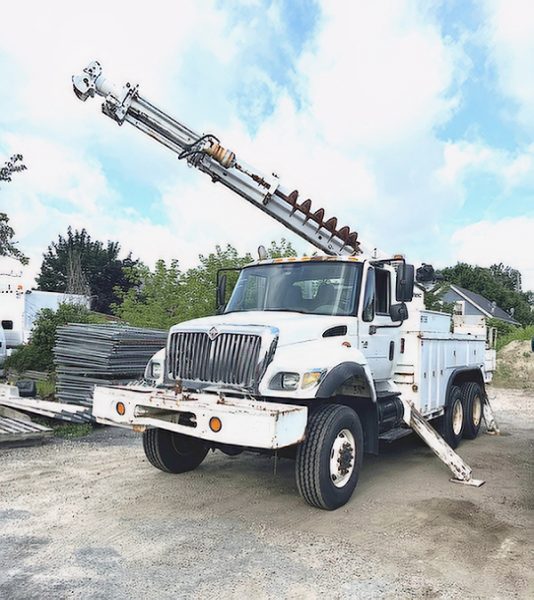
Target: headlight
(155,370)
(285,381)
(312,378)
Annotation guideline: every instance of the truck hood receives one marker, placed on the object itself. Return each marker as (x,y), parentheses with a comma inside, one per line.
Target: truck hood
(294,327)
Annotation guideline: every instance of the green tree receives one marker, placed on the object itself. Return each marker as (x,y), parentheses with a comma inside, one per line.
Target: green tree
(199,283)
(281,249)
(8,247)
(156,301)
(78,264)
(38,353)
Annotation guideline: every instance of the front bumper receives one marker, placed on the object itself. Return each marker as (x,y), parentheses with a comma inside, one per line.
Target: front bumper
(245,422)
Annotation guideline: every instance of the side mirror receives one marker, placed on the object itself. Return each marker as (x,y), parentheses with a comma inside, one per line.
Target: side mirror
(221,292)
(405,282)
(398,312)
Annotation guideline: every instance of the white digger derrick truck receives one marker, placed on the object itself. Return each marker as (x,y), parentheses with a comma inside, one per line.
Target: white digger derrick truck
(315,358)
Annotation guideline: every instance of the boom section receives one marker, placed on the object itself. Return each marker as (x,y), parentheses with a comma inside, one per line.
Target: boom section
(206,153)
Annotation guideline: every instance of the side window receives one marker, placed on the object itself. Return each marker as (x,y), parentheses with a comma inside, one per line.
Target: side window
(369,296)
(7,324)
(383,288)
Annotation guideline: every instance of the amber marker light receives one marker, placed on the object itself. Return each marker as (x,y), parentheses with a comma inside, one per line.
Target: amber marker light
(215,424)
(121,409)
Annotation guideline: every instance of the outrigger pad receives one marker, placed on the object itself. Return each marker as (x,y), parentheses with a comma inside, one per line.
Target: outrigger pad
(472,482)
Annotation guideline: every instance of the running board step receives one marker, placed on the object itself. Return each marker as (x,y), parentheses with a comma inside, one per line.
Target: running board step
(394,434)
(460,469)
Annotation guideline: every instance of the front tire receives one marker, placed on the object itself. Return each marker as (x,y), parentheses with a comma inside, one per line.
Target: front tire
(173,452)
(473,409)
(330,458)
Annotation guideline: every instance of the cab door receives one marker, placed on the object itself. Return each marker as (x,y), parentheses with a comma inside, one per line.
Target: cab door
(378,335)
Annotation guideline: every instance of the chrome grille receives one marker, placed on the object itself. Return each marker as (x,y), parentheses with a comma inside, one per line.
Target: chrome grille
(230,358)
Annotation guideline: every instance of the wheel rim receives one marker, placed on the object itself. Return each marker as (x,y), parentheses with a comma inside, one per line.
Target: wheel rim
(342,458)
(477,411)
(457,417)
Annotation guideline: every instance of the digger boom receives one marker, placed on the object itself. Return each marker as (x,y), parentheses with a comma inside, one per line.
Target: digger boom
(205,153)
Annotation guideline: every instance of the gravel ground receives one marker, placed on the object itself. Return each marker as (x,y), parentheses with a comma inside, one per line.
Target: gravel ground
(92,519)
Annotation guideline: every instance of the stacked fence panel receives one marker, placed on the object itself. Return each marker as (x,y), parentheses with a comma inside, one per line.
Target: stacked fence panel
(110,354)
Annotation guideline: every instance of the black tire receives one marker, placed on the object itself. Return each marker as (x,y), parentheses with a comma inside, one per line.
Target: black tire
(448,425)
(472,397)
(312,469)
(173,452)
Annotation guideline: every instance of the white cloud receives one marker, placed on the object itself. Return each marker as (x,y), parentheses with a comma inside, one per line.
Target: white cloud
(379,74)
(464,158)
(489,242)
(510,39)
(356,131)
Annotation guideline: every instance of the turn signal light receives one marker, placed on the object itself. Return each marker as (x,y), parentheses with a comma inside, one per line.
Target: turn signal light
(121,409)
(215,424)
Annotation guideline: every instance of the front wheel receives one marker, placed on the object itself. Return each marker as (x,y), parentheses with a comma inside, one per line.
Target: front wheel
(173,452)
(330,458)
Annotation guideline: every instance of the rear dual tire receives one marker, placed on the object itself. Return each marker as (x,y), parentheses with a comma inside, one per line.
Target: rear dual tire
(472,398)
(451,424)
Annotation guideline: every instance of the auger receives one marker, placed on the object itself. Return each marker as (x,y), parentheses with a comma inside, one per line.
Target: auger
(206,153)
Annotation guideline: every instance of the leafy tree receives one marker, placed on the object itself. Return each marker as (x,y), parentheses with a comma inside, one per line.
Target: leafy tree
(78,264)
(498,284)
(199,283)
(156,302)
(13,165)
(8,247)
(38,353)
(281,249)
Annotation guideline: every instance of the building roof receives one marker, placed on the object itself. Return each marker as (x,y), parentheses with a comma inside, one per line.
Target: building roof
(484,305)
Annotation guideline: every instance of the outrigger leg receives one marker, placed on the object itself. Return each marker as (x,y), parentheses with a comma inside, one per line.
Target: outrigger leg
(489,417)
(460,469)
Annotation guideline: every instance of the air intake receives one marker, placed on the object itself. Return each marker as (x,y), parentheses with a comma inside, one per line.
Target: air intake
(335,331)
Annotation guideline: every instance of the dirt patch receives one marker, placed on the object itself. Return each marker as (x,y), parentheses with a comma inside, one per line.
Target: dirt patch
(515,366)
(90,518)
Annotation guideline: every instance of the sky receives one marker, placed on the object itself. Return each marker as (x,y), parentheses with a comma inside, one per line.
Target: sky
(412,122)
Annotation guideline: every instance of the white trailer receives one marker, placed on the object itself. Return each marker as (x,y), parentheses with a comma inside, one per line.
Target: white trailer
(315,358)
(19,308)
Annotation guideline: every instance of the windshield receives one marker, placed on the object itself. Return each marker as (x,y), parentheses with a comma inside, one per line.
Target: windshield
(315,287)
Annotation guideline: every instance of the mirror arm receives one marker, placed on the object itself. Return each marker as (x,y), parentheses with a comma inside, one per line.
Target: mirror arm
(373,328)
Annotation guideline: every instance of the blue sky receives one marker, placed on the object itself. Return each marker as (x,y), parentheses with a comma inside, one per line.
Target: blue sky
(411,121)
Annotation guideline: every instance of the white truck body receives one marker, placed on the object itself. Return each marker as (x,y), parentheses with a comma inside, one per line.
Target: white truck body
(425,357)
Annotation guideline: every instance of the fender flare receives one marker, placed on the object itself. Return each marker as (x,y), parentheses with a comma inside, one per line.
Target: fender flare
(479,378)
(342,373)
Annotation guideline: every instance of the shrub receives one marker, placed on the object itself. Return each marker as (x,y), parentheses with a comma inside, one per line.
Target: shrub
(38,353)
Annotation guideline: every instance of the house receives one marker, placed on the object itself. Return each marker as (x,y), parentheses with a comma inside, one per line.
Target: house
(470,304)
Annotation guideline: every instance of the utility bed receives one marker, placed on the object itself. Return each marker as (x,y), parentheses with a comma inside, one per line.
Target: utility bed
(431,354)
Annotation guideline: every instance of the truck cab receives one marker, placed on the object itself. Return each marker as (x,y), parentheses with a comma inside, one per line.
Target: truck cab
(292,329)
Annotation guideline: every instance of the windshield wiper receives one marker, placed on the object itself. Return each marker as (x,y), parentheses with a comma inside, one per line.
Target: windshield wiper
(302,312)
